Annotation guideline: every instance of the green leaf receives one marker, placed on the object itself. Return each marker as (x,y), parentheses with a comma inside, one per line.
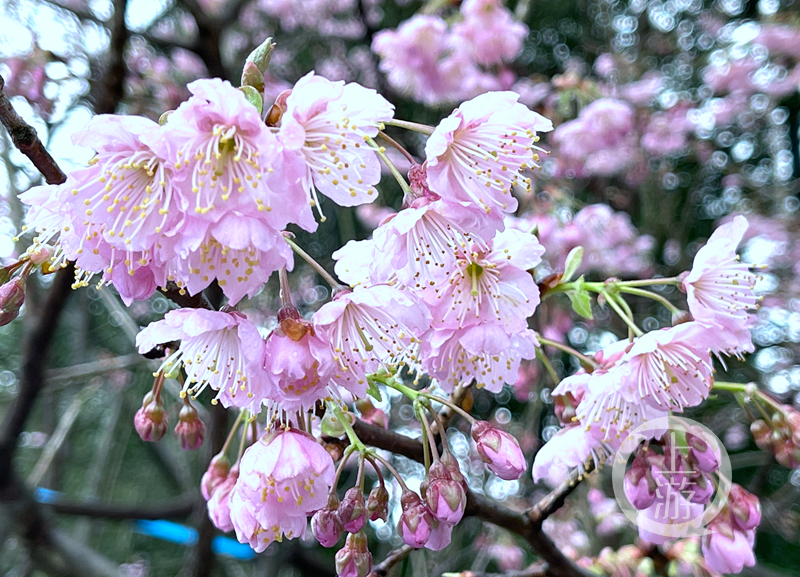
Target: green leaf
(253,97)
(252,76)
(572,263)
(581,300)
(373,390)
(262,55)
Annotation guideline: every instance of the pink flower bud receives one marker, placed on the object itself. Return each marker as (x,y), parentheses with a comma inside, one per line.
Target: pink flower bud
(701,491)
(701,454)
(216,473)
(441,533)
(12,297)
(499,450)
(151,420)
(219,506)
(325,523)
(416,522)
(788,454)
(744,507)
(729,554)
(354,559)
(639,488)
(762,433)
(353,510)
(378,503)
(371,415)
(445,497)
(190,429)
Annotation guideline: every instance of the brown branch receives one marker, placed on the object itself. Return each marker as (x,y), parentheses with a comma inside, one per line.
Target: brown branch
(392,559)
(175,508)
(111,88)
(185,300)
(25,139)
(527,525)
(534,570)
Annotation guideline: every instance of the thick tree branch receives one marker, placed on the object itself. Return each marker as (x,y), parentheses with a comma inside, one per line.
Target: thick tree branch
(25,139)
(527,525)
(111,88)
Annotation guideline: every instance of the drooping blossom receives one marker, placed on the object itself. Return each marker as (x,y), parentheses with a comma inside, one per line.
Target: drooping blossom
(369,327)
(484,353)
(719,288)
(326,124)
(731,553)
(219,505)
(671,516)
(221,350)
(299,362)
(416,522)
(445,496)
(325,524)
(478,152)
(285,476)
(239,252)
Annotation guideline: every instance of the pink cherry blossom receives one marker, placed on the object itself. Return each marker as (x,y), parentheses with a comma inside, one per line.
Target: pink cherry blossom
(490,283)
(729,554)
(239,252)
(416,522)
(283,477)
(128,193)
(484,353)
(300,364)
(223,147)
(476,154)
(671,516)
(719,288)
(219,506)
(222,350)
(489,32)
(568,449)
(370,327)
(326,123)
(410,58)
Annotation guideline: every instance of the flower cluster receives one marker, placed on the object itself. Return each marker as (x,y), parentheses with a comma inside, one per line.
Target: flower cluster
(204,197)
(435,63)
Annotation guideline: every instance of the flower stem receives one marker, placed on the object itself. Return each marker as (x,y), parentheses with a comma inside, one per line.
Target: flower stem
(584,359)
(236,424)
(286,293)
(612,300)
(400,148)
(416,127)
(420,411)
(470,419)
(335,285)
(381,151)
(650,295)
(648,282)
(348,428)
(547,365)
(349,450)
(392,383)
(391,469)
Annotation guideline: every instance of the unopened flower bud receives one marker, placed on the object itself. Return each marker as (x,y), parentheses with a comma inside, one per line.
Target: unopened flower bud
(702,490)
(499,450)
(451,464)
(353,510)
(190,429)
(762,433)
(744,507)
(639,488)
(325,523)
(445,497)
(215,474)
(378,503)
(701,454)
(12,297)
(788,454)
(354,559)
(415,522)
(151,420)
(219,506)
(372,415)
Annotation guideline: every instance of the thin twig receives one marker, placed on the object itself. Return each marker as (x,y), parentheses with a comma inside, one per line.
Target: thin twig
(392,559)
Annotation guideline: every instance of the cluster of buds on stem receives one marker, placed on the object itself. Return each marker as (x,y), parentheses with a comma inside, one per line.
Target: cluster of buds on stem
(728,547)
(12,293)
(780,435)
(151,419)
